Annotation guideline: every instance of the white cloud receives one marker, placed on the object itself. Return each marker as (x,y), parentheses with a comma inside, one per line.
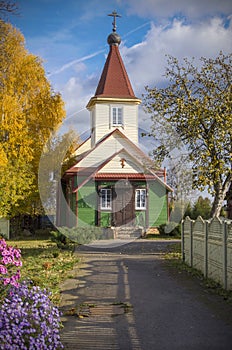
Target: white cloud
(75,62)
(79,67)
(76,99)
(146,61)
(191,8)
(71,94)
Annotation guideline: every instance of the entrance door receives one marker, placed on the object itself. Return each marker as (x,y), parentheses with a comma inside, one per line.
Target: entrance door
(123,204)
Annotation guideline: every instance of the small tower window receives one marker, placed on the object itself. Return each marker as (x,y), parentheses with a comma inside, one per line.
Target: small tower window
(116,116)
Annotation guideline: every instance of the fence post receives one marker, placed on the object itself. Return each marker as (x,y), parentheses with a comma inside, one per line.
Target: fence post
(191,244)
(182,241)
(206,227)
(224,255)
(5,227)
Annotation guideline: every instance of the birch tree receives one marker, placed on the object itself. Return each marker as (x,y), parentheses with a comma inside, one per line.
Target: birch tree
(29,111)
(194,110)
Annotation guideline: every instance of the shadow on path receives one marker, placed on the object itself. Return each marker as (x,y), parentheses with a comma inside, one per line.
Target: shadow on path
(128,298)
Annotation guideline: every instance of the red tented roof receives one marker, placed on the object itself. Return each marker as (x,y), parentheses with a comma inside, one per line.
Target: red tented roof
(114,81)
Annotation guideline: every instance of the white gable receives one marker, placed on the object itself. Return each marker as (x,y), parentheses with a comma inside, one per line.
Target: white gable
(122,163)
(84,147)
(108,147)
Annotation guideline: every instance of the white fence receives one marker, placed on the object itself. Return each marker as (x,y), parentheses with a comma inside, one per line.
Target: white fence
(5,227)
(207,246)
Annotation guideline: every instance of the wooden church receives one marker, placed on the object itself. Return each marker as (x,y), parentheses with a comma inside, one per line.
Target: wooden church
(114,183)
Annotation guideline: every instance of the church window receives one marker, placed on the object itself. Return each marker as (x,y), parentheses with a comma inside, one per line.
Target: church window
(116,116)
(140,199)
(106,198)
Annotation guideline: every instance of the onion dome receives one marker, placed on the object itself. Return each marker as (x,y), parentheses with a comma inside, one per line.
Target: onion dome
(114,39)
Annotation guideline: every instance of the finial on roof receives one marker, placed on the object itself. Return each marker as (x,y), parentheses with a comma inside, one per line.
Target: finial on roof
(114,14)
(114,38)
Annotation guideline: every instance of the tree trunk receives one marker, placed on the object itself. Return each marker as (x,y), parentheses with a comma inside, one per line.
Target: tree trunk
(217,205)
(229,202)
(220,195)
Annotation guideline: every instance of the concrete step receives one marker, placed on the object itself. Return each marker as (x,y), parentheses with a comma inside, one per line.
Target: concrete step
(128,232)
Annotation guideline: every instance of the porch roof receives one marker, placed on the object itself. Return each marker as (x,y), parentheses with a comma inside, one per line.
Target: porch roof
(130,176)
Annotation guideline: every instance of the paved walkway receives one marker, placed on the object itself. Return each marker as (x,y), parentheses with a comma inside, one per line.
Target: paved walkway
(127,297)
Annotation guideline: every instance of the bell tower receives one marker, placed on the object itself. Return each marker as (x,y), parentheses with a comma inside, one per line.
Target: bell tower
(114,104)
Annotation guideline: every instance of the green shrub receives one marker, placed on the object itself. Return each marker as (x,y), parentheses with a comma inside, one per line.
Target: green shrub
(43,232)
(170,229)
(60,239)
(80,235)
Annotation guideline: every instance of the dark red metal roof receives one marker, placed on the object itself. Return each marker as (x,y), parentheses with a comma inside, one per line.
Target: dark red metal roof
(130,176)
(114,81)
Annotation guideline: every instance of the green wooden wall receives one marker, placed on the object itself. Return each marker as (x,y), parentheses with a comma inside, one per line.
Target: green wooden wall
(87,201)
(158,211)
(87,206)
(105,220)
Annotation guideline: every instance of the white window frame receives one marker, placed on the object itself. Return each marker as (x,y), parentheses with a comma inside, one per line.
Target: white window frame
(141,202)
(115,117)
(106,199)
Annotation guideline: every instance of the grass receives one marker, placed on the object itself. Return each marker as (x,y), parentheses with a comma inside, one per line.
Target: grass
(44,264)
(174,252)
(152,236)
(174,259)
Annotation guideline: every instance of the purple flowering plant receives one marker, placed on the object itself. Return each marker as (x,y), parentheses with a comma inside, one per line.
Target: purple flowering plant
(28,318)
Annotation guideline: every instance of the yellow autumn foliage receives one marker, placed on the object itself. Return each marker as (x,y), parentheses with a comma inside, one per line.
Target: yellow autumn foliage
(3,158)
(29,111)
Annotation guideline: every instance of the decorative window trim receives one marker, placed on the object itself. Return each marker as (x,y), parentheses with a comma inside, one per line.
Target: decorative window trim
(106,199)
(140,199)
(116,115)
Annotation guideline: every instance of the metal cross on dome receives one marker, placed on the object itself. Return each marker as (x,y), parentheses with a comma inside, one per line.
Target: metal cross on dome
(114,14)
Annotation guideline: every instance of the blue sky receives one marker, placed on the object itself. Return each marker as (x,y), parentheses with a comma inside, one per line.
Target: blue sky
(70,36)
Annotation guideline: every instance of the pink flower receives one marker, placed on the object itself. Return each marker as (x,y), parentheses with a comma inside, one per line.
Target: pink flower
(17,275)
(17,253)
(7,260)
(2,243)
(6,281)
(13,279)
(9,256)
(3,270)
(16,284)
(5,252)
